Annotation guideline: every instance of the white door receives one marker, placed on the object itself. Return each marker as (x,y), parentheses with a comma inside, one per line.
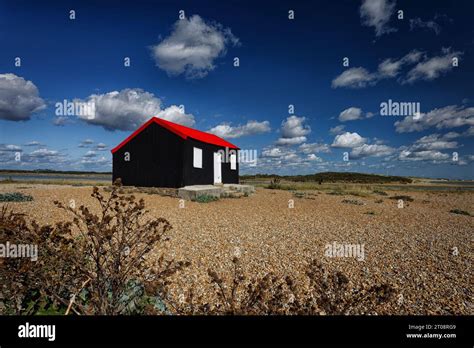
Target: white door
(217,168)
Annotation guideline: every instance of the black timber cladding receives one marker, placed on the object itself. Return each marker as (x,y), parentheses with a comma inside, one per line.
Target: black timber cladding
(156,159)
(160,158)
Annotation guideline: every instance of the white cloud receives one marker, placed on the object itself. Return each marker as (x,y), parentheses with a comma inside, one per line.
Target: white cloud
(61,121)
(469,132)
(91,162)
(390,67)
(377,13)
(434,67)
(431,25)
(291,141)
(313,157)
(10,148)
(337,129)
(19,98)
(8,152)
(101,147)
(33,143)
(353,113)
(428,155)
(174,114)
(447,117)
(192,47)
(367,150)
(90,154)
(44,156)
(130,108)
(279,153)
(425,69)
(226,130)
(86,143)
(378,141)
(348,140)
(429,147)
(294,126)
(354,78)
(293,131)
(273,152)
(286,157)
(350,114)
(314,148)
(42,153)
(451,135)
(434,142)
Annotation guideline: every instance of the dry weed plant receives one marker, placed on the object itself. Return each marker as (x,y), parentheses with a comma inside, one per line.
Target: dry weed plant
(325,293)
(96,264)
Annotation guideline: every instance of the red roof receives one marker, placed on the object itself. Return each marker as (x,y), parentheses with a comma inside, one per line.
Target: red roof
(182,131)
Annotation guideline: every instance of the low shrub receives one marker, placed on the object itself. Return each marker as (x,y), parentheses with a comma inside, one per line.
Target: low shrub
(352,201)
(15,197)
(337,191)
(460,212)
(205,199)
(381,193)
(350,191)
(402,197)
(274,184)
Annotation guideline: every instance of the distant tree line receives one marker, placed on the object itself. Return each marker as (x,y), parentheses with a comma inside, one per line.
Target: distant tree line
(348,177)
(51,171)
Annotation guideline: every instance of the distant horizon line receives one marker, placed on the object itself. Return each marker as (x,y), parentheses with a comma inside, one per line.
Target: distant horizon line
(53,171)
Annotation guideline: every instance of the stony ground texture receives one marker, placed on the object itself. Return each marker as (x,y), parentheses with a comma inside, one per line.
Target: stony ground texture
(422,249)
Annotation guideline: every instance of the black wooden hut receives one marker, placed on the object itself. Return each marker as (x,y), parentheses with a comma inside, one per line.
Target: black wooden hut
(164,154)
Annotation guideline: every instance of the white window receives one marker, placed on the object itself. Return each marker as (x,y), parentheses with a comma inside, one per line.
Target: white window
(197,158)
(233,162)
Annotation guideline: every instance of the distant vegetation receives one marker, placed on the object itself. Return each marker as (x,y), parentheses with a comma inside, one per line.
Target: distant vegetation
(205,199)
(15,197)
(402,197)
(346,177)
(379,192)
(275,184)
(460,212)
(49,171)
(352,201)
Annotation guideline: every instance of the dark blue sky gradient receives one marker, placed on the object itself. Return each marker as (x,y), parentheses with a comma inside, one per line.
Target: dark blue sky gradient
(282,62)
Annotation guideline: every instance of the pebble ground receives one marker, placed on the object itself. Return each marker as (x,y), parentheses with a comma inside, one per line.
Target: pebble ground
(422,249)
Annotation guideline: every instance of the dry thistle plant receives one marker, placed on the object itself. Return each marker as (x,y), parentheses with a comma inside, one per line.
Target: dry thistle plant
(98,264)
(332,293)
(116,244)
(42,286)
(328,293)
(243,295)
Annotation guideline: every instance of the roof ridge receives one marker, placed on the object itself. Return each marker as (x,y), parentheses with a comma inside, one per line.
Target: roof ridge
(180,130)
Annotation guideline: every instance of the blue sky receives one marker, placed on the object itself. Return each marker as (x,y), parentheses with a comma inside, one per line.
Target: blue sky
(283,61)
